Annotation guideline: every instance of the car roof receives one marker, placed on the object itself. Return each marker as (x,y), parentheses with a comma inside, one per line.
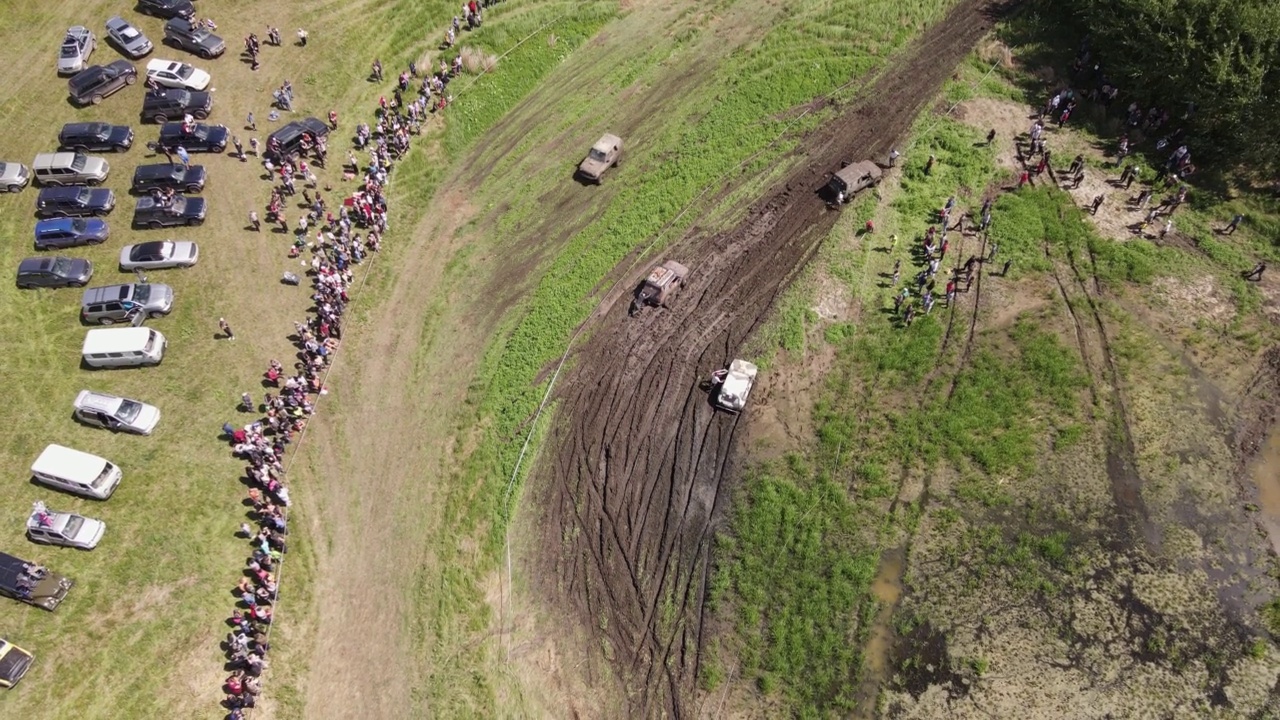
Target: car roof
(62,193)
(118,23)
(148,247)
(162,64)
(35,264)
(55,224)
(90,400)
(84,127)
(60,520)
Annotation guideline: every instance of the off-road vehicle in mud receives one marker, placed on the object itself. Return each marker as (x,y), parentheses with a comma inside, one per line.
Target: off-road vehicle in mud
(852,179)
(731,386)
(660,286)
(32,584)
(606,153)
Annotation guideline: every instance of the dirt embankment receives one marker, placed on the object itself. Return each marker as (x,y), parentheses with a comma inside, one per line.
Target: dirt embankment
(644,467)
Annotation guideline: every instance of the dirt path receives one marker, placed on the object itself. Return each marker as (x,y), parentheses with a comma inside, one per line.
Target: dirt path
(645,465)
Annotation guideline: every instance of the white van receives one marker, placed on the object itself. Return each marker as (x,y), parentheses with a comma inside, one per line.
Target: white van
(76,472)
(123,347)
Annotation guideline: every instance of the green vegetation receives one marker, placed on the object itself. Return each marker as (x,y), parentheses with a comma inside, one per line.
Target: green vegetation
(798,567)
(1224,57)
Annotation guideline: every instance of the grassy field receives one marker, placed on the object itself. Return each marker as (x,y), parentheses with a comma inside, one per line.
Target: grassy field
(996,457)
(139,634)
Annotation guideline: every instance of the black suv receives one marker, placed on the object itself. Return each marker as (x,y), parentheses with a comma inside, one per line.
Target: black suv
(202,138)
(181,32)
(74,201)
(289,137)
(163,176)
(160,105)
(166,9)
(179,210)
(95,136)
(95,82)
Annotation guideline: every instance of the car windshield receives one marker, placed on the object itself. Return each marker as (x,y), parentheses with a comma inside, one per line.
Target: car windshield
(77,163)
(61,266)
(101,480)
(184,71)
(102,132)
(597,154)
(70,49)
(128,411)
(178,206)
(200,35)
(128,33)
(74,523)
(180,96)
(79,224)
(141,293)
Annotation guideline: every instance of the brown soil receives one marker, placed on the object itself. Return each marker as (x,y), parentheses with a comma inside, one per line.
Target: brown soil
(645,466)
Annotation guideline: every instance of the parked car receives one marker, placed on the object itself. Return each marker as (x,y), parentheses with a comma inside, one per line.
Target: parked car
(14,663)
(74,202)
(183,178)
(95,137)
(201,138)
(14,176)
(54,272)
(67,168)
(181,210)
(49,527)
(70,232)
(174,74)
(32,584)
(96,82)
(159,255)
(77,46)
(165,9)
(160,105)
(186,34)
(111,304)
(289,137)
(115,413)
(128,39)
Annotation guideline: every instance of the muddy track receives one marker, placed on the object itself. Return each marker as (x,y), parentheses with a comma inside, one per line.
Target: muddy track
(642,466)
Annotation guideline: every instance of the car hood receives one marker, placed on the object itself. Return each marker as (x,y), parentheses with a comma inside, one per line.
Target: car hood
(184,250)
(105,197)
(14,171)
(96,227)
(80,269)
(122,135)
(91,531)
(194,207)
(199,79)
(71,64)
(147,420)
(200,99)
(592,167)
(217,135)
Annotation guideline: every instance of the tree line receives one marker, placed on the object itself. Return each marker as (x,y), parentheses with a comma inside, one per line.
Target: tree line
(1221,57)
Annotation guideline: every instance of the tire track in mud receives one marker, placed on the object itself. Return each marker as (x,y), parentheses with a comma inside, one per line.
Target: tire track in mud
(1121,450)
(643,465)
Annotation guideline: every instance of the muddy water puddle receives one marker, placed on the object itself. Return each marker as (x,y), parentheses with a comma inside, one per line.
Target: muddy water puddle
(1266,477)
(877,653)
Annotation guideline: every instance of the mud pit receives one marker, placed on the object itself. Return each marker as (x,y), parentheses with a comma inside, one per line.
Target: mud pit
(643,466)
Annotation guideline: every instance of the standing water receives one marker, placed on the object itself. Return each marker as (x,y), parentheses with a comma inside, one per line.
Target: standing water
(887,589)
(1266,476)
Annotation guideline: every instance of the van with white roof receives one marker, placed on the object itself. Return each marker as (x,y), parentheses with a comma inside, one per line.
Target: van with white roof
(76,472)
(123,347)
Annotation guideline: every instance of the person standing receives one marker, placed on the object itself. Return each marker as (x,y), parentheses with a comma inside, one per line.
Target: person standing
(893,157)
(1235,223)
(991,136)
(1168,227)
(928,166)
(239,148)
(254,221)
(183,156)
(897,270)
(1097,203)
(250,123)
(225,327)
(1023,178)
(302,37)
